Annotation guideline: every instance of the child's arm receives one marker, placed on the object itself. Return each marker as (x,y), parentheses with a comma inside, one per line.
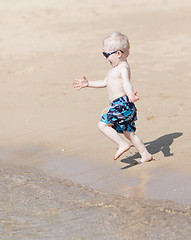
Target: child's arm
(83,83)
(132,95)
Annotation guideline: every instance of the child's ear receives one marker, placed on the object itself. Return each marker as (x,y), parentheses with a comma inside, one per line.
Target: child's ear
(119,54)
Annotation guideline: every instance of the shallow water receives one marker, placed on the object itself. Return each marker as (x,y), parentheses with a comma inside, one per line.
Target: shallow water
(36,206)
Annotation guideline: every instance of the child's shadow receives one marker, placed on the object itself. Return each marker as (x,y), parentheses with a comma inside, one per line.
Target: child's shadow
(160,144)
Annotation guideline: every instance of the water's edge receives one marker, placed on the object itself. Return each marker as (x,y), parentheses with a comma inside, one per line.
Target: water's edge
(37,206)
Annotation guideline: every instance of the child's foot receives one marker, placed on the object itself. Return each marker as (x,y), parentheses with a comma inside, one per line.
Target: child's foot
(147,158)
(121,150)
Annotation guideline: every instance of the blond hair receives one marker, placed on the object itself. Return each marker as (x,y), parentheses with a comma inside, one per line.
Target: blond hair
(117,41)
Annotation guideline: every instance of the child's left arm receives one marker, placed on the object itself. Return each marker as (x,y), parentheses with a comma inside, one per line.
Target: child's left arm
(132,95)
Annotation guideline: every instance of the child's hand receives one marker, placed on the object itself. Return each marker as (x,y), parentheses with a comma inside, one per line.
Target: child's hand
(133,98)
(80,83)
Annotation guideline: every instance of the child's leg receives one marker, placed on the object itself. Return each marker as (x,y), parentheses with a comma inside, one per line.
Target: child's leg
(123,146)
(139,145)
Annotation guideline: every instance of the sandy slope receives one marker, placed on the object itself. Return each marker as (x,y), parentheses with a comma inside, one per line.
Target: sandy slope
(46,123)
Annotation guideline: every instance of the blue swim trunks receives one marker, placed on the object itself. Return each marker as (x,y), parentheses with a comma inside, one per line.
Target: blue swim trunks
(121,115)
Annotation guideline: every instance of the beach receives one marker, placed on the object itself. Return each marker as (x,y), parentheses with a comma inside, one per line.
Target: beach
(49,141)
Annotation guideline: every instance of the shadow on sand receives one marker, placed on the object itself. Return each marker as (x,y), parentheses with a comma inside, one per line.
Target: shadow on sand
(161,144)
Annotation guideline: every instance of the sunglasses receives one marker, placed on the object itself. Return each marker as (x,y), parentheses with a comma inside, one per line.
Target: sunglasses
(106,55)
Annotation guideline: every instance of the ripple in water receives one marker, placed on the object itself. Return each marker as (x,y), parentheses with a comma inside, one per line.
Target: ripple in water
(36,206)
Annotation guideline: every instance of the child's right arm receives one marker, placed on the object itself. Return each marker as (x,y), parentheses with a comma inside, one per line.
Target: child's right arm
(83,83)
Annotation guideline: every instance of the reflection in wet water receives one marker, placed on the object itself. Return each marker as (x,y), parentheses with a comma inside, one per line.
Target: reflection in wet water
(36,206)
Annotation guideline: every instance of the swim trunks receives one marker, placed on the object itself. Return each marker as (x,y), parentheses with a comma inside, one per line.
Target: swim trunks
(121,115)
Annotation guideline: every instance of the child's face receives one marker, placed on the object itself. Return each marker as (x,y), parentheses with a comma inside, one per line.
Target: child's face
(114,57)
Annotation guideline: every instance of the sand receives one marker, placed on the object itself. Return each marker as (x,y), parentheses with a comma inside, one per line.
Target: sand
(47,124)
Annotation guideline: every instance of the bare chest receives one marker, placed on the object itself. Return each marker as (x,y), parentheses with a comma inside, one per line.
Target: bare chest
(113,77)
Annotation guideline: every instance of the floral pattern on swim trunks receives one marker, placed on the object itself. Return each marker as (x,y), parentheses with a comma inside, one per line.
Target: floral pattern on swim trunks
(121,115)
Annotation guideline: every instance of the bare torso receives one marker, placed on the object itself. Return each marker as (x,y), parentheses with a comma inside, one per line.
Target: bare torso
(115,86)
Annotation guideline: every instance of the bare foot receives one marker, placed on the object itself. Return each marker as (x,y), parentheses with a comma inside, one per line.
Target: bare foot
(121,150)
(147,158)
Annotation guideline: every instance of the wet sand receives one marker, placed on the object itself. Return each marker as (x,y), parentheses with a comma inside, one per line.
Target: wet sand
(47,126)
(35,206)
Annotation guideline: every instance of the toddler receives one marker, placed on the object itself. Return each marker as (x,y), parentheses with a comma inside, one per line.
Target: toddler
(122,113)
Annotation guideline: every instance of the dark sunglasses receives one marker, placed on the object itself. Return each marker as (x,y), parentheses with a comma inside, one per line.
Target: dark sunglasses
(106,55)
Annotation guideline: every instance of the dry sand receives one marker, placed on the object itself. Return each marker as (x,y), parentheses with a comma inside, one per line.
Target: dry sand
(46,124)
